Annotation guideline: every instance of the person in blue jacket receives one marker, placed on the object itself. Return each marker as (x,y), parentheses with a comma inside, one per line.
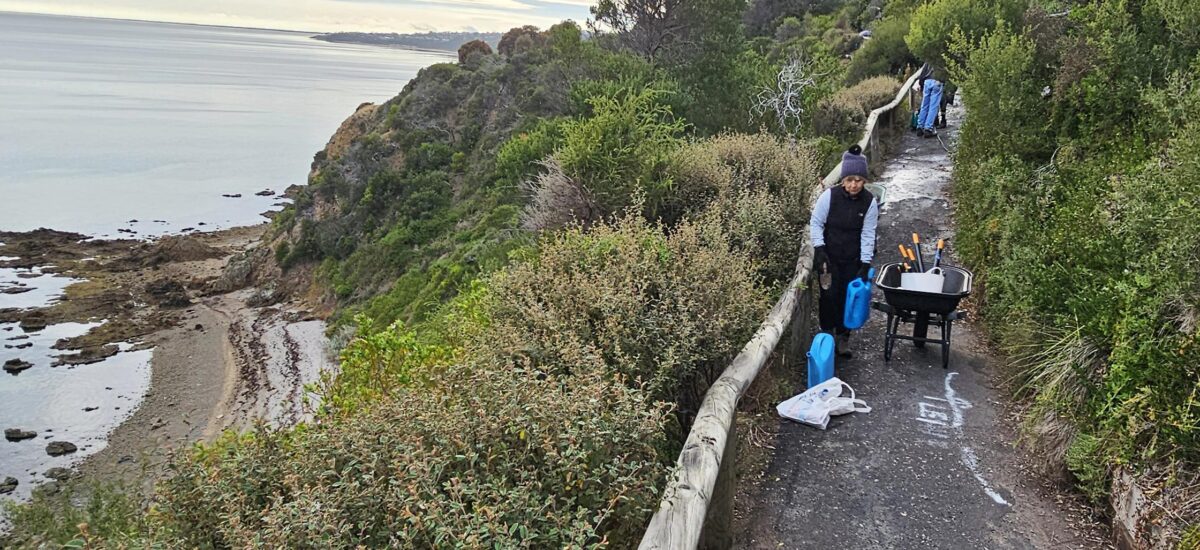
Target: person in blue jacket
(842,228)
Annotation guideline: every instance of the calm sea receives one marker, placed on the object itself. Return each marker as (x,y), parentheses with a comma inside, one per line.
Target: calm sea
(103,122)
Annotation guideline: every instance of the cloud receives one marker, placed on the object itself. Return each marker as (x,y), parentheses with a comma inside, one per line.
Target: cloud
(324,15)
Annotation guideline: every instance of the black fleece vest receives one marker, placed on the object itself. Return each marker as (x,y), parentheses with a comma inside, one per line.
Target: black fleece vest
(843,226)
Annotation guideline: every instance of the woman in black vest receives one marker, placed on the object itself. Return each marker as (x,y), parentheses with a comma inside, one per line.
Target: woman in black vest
(842,228)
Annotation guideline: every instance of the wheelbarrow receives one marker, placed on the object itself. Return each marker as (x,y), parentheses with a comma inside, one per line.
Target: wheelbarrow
(921,309)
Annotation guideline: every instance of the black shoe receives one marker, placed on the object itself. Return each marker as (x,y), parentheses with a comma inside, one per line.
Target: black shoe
(941,124)
(925,133)
(841,345)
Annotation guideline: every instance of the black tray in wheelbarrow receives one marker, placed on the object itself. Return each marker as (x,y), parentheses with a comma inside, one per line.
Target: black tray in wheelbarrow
(957,286)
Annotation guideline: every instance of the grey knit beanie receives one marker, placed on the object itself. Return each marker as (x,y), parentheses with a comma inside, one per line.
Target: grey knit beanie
(854,163)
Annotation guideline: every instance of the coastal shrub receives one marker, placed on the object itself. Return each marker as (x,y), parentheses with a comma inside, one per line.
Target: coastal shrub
(470,52)
(843,115)
(664,310)
(375,364)
(519,157)
(885,53)
(757,187)
(1076,168)
(1002,91)
(488,456)
(77,515)
(520,39)
(935,23)
(620,151)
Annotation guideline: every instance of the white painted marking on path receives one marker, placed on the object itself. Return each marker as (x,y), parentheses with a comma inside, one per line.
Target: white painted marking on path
(969,459)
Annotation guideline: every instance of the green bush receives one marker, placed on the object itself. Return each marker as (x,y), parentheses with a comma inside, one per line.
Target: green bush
(375,365)
(935,23)
(758,187)
(885,53)
(617,154)
(843,115)
(665,311)
(77,515)
(1076,171)
(484,457)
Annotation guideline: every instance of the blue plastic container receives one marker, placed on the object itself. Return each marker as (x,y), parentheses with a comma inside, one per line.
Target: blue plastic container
(820,359)
(858,302)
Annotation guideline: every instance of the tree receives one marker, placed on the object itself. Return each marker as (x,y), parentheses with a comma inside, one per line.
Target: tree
(472,49)
(519,39)
(645,27)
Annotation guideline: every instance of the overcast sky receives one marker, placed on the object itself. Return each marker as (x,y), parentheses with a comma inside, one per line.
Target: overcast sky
(326,15)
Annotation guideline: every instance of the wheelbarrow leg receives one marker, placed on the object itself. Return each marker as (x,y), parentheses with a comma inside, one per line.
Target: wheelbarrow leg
(946,343)
(888,333)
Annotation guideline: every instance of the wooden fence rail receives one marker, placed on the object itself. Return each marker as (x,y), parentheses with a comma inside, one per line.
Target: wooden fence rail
(697,506)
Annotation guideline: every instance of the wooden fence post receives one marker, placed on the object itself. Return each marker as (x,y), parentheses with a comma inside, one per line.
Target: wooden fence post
(717,533)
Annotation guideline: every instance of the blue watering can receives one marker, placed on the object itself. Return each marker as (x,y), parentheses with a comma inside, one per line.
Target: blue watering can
(858,302)
(820,359)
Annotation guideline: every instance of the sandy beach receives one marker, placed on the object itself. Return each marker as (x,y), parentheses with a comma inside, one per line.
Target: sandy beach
(218,361)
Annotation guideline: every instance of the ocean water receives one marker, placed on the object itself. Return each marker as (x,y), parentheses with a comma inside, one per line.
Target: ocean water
(103,122)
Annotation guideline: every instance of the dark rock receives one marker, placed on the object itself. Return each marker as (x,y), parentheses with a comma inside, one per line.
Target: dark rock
(232,195)
(29,275)
(17,434)
(266,193)
(60,474)
(24,346)
(125,459)
(49,488)
(168,293)
(157,423)
(198,326)
(187,229)
(202,223)
(33,322)
(87,356)
(89,409)
(58,448)
(133,221)
(16,290)
(13,366)
(11,315)
(8,485)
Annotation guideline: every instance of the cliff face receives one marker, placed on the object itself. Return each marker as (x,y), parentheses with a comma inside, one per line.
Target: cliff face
(406,203)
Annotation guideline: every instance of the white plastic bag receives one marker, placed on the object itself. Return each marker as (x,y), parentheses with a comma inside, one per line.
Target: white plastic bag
(818,403)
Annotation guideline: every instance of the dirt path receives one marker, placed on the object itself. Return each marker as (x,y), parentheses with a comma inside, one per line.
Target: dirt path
(934,465)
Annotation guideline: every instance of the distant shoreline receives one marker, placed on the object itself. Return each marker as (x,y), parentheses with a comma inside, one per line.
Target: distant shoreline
(94,17)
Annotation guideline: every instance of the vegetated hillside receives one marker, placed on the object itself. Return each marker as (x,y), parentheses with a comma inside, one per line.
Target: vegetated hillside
(412,198)
(1077,183)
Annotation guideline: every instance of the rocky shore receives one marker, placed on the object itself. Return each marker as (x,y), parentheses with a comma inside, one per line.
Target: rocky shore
(224,354)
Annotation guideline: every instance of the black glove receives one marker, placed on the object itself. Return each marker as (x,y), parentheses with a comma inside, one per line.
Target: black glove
(820,260)
(863,269)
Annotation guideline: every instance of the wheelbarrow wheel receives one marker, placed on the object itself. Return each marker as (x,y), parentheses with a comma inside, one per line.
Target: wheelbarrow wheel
(920,328)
